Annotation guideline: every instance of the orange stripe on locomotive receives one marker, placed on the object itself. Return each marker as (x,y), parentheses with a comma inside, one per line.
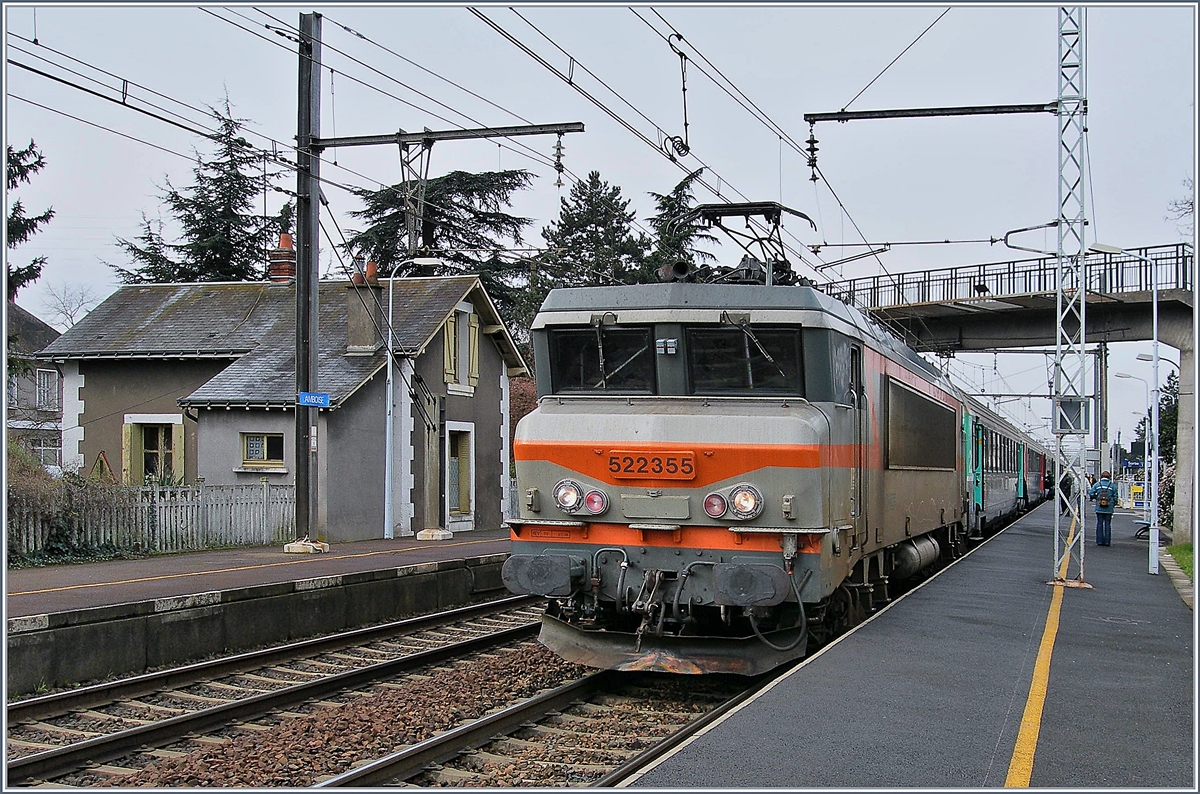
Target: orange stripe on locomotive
(720,538)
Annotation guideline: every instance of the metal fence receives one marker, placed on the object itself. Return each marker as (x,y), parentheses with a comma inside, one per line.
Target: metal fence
(1173,268)
(151,518)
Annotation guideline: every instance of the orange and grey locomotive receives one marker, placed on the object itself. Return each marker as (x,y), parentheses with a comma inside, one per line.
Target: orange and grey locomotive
(718,475)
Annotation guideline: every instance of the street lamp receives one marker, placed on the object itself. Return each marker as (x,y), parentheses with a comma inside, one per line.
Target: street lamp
(1145,446)
(1112,249)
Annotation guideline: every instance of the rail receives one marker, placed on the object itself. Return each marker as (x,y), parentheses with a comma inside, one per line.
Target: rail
(1173,269)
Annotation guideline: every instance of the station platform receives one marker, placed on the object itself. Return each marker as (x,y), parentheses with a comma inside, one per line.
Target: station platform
(70,624)
(67,588)
(984,676)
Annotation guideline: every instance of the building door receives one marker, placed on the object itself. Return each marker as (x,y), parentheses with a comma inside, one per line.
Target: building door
(460,476)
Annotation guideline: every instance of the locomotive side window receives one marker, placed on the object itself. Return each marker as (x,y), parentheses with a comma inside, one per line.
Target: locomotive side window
(921,432)
(740,360)
(602,359)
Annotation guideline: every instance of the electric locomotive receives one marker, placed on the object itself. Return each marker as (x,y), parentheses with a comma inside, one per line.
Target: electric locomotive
(719,474)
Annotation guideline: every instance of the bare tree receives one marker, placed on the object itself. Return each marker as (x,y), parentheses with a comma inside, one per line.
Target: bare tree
(68,303)
(1183,209)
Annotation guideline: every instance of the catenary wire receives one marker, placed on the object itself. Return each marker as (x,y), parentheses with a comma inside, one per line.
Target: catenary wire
(889,66)
(567,171)
(100,126)
(86,90)
(543,159)
(464,89)
(570,174)
(201,132)
(616,117)
(125,83)
(497,251)
(760,115)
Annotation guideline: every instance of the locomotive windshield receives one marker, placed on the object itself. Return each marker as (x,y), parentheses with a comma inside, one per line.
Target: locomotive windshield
(602,359)
(741,359)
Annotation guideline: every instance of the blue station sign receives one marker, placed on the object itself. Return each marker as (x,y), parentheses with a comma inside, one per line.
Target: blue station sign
(314,399)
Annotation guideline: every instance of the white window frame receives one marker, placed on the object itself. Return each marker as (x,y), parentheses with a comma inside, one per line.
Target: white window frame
(39,445)
(47,396)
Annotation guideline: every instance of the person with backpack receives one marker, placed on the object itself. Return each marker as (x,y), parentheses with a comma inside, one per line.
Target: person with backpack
(1104,494)
(1064,493)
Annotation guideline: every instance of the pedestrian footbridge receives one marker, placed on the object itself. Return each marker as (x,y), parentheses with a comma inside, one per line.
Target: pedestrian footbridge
(1012,304)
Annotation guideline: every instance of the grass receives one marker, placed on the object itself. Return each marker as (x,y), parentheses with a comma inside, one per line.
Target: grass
(1182,552)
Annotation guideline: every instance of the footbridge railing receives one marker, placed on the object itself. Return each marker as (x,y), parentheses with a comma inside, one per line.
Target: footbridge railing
(1173,267)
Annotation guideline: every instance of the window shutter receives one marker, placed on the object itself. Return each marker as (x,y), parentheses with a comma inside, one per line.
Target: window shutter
(473,364)
(128,455)
(177,459)
(450,350)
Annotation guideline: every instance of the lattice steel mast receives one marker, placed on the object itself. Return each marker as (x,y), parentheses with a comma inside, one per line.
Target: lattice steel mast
(1070,359)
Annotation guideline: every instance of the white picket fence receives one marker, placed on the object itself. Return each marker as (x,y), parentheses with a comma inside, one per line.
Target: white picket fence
(152,518)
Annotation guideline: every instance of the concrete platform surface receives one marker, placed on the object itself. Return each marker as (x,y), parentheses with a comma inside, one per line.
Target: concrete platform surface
(66,588)
(942,688)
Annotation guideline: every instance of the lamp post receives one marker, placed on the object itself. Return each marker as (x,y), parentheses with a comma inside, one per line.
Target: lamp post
(1145,446)
(1112,249)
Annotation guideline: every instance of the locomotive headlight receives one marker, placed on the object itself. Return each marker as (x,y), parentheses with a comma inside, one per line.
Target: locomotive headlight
(568,495)
(596,502)
(745,502)
(714,505)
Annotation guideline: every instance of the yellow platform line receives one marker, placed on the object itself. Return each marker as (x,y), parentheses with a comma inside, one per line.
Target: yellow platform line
(306,558)
(1020,768)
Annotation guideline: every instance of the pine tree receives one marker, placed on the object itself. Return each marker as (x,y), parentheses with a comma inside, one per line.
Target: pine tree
(22,165)
(463,223)
(675,240)
(593,240)
(591,243)
(221,239)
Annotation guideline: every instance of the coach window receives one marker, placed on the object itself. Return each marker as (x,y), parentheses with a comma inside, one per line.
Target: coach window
(744,360)
(603,358)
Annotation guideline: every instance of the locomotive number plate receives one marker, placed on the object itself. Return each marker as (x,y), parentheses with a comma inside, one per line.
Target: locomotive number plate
(651,465)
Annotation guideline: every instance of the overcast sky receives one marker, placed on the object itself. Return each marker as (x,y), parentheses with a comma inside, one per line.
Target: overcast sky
(899,180)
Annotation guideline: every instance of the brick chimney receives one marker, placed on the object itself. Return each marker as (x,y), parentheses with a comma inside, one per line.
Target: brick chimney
(364,311)
(281,263)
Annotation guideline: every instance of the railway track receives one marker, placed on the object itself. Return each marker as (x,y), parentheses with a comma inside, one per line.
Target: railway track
(55,735)
(594,731)
(497,710)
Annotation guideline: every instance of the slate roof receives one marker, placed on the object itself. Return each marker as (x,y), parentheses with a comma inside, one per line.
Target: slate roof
(29,334)
(253,324)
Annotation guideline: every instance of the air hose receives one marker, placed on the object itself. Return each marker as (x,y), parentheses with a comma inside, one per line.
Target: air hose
(801,624)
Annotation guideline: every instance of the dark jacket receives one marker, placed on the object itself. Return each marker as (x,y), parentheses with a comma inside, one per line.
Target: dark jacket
(1105,487)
